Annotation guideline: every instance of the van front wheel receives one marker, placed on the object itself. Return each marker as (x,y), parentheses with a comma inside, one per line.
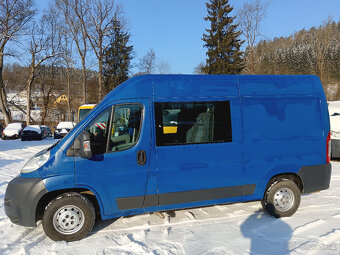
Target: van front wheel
(69,217)
(282,198)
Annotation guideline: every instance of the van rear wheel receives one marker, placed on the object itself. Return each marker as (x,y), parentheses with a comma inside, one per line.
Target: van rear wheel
(69,217)
(282,198)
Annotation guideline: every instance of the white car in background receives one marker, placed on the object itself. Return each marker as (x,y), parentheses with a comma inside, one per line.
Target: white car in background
(12,131)
(63,128)
(334,118)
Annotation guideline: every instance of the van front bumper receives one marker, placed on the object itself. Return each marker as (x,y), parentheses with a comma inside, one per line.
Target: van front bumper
(21,200)
(315,178)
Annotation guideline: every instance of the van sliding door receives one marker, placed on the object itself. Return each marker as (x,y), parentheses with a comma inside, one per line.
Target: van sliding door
(199,152)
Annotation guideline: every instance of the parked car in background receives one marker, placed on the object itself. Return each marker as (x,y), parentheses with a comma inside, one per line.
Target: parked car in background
(32,132)
(63,128)
(12,131)
(47,131)
(334,118)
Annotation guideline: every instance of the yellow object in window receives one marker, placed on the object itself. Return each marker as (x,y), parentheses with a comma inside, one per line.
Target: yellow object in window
(170,130)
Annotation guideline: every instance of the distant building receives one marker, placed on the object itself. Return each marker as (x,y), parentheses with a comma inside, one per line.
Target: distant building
(61,99)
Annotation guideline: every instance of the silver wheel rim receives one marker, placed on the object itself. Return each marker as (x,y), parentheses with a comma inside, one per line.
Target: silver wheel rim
(283,199)
(68,219)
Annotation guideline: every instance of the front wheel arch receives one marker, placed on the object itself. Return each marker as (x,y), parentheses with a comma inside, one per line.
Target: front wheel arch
(48,197)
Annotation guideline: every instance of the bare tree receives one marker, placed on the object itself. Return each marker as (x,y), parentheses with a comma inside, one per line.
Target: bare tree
(46,84)
(42,47)
(68,63)
(99,25)
(14,16)
(74,13)
(249,17)
(147,64)
(53,48)
(163,67)
(199,69)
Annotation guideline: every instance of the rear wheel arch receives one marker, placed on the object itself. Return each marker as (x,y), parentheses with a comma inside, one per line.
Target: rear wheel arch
(288,176)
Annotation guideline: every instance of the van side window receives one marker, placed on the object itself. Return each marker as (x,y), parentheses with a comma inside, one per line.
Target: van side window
(125,127)
(179,123)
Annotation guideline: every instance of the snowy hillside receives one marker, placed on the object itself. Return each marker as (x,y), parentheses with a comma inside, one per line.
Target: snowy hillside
(223,229)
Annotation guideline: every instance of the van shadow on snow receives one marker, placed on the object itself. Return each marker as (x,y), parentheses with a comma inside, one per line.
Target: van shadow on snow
(268,235)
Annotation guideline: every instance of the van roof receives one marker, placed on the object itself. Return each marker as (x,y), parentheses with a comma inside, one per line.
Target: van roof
(170,86)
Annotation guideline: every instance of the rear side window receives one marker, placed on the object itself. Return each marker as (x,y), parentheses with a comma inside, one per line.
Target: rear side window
(179,123)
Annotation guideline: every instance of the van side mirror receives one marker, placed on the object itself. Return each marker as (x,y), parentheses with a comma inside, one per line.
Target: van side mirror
(85,145)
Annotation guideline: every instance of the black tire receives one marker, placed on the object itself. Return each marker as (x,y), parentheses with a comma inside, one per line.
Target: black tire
(76,216)
(282,198)
(23,139)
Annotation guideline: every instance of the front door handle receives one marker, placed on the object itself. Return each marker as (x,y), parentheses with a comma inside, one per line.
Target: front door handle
(141,157)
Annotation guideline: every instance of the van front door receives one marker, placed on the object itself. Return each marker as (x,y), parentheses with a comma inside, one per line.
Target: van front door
(120,143)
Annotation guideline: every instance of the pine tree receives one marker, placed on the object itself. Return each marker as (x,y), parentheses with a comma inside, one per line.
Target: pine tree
(117,58)
(222,40)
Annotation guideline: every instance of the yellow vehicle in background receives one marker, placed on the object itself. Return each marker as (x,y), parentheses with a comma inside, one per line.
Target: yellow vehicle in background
(83,110)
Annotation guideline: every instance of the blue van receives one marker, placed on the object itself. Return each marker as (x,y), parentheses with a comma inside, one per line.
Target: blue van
(165,142)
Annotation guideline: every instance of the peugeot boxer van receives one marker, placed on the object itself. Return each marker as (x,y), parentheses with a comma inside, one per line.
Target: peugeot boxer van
(165,142)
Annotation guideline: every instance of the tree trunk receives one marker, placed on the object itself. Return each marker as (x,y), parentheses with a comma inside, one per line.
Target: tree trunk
(29,86)
(252,60)
(3,100)
(100,68)
(84,81)
(68,94)
(44,113)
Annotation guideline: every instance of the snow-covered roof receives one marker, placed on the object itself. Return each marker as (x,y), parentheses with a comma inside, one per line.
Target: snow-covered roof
(14,126)
(88,105)
(66,124)
(35,128)
(12,129)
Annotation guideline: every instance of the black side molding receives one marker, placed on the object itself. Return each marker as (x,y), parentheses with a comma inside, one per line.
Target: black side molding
(126,203)
(315,178)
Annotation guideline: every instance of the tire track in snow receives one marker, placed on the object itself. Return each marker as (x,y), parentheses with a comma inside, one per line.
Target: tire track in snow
(331,237)
(337,215)
(308,226)
(185,223)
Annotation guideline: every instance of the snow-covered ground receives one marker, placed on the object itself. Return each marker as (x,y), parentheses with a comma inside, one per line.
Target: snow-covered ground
(224,229)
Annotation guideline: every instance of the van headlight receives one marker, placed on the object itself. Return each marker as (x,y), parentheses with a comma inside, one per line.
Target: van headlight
(35,162)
